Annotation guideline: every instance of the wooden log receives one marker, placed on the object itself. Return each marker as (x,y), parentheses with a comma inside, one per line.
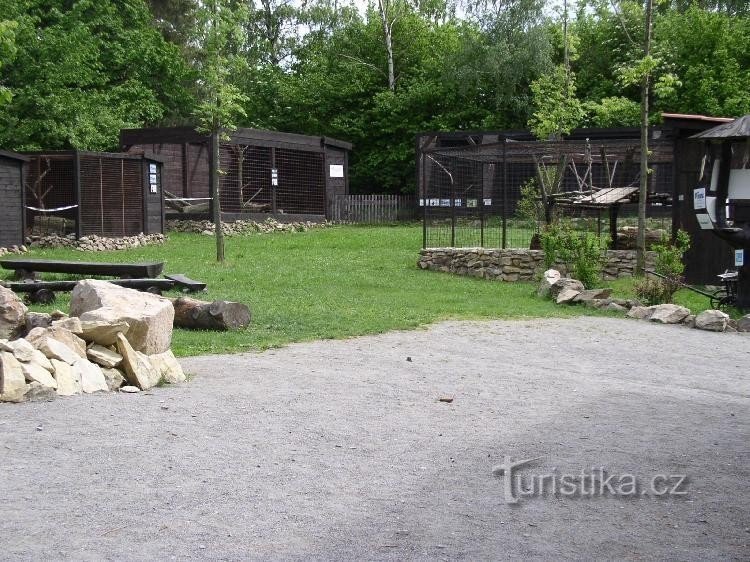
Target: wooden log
(217,315)
(145,269)
(139,284)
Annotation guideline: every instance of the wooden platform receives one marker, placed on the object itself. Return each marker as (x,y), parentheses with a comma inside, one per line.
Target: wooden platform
(134,270)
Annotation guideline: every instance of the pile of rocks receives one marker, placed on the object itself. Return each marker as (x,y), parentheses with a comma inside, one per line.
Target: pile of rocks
(13,250)
(114,339)
(94,243)
(627,237)
(564,290)
(243,227)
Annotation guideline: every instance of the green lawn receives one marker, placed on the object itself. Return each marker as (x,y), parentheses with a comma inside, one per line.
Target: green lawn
(331,283)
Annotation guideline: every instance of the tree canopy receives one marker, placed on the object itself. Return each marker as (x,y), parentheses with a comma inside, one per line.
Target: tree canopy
(73,72)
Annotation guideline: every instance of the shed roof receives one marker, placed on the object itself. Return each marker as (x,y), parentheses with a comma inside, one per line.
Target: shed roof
(179,135)
(737,129)
(13,155)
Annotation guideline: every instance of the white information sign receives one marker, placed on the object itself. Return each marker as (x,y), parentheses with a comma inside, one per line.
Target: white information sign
(336,170)
(699,198)
(739,258)
(704,221)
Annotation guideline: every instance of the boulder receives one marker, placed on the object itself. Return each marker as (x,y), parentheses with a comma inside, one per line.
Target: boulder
(37,320)
(170,371)
(689,321)
(668,313)
(36,392)
(104,357)
(712,320)
(640,312)
(70,324)
(103,332)
(37,337)
(113,377)
(12,314)
(91,377)
(566,296)
(12,379)
(565,283)
(138,369)
(613,306)
(743,324)
(58,315)
(54,349)
(150,317)
(127,389)
(67,377)
(27,353)
(549,278)
(34,372)
(592,294)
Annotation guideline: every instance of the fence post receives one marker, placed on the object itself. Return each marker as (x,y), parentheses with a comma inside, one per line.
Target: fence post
(505,192)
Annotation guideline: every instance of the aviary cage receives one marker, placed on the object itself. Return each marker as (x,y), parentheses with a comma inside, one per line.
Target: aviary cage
(84,193)
(470,194)
(263,173)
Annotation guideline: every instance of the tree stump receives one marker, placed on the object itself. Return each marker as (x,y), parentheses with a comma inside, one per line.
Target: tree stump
(217,315)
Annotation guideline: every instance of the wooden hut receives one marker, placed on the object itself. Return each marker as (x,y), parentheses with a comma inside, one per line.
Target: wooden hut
(264,173)
(84,193)
(12,197)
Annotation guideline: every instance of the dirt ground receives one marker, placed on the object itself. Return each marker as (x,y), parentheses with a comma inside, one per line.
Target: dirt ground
(342,450)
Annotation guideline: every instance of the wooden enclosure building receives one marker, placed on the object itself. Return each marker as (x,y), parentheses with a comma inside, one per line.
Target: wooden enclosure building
(12,198)
(264,173)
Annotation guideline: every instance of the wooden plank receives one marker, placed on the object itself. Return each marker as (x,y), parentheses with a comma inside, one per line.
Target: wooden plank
(143,270)
(140,284)
(184,281)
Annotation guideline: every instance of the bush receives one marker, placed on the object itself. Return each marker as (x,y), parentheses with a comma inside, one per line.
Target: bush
(669,263)
(582,252)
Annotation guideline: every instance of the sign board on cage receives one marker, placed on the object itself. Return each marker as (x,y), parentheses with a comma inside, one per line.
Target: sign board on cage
(699,198)
(739,258)
(471,203)
(704,221)
(336,170)
(487,202)
(152,168)
(274,177)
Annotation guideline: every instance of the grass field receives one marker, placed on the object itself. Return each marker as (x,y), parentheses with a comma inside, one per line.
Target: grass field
(332,283)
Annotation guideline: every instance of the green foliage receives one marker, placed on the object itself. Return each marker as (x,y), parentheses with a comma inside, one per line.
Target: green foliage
(530,208)
(582,252)
(220,100)
(615,111)
(557,110)
(7,53)
(85,69)
(669,263)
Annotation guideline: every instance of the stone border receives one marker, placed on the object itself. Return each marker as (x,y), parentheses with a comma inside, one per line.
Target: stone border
(517,265)
(94,243)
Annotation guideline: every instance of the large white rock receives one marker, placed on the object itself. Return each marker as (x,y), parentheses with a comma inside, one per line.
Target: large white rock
(114,378)
(712,320)
(34,372)
(38,336)
(67,377)
(668,313)
(149,317)
(565,283)
(12,379)
(549,278)
(104,357)
(566,296)
(169,368)
(640,312)
(138,369)
(27,353)
(91,376)
(54,349)
(103,332)
(12,314)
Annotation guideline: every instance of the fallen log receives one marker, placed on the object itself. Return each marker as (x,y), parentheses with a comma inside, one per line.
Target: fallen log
(217,315)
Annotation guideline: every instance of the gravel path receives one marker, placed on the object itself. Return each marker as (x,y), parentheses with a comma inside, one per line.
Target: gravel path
(341,450)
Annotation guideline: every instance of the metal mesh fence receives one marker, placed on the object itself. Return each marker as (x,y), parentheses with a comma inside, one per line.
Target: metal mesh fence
(51,202)
(471,196)
(260,179)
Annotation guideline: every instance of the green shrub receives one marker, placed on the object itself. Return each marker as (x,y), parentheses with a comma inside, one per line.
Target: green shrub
(582,252)
(669,263)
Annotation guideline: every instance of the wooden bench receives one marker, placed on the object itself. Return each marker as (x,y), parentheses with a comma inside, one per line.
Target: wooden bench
(133,270)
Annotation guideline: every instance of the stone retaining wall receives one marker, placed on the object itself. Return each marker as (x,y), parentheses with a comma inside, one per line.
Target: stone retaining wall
(516,265)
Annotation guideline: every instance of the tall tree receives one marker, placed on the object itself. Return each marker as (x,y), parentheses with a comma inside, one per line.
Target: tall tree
(219,28)
(643,188)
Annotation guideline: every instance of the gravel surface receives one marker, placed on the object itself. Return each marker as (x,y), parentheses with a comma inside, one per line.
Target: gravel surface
(342,450)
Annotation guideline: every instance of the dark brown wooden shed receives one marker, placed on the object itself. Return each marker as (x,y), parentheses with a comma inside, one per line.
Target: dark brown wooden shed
(265,173)
(11,196)
(84,193)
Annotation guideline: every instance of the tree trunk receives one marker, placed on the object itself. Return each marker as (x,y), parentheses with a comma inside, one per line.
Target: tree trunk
(216,196)
(385,17)
(217,315)
(643,189)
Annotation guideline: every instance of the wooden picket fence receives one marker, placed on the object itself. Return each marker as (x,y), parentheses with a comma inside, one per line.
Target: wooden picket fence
(373,209)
